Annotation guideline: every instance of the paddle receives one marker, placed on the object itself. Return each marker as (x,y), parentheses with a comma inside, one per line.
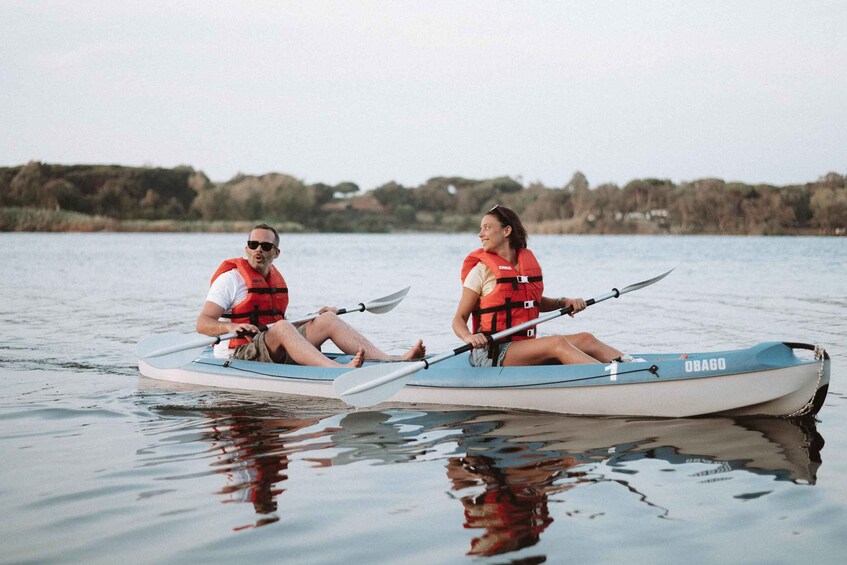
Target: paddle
(377,383)
(171,350)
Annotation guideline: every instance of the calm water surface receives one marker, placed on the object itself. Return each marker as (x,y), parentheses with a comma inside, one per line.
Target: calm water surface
(100,465)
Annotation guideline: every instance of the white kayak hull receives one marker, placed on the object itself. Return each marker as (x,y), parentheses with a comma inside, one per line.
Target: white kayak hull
(767,379)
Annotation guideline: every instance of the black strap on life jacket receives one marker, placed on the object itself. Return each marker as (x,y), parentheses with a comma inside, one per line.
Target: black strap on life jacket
(516,280)
(506,307)
(268,290)
(254,315)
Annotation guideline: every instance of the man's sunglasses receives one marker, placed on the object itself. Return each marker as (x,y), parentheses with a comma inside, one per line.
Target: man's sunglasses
(266,245)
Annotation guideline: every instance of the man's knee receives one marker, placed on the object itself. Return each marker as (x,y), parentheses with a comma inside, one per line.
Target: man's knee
(277,333)
(326,321)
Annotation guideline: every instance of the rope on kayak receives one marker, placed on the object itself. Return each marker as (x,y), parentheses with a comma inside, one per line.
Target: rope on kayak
(228,364)
(820,353)
(652,369)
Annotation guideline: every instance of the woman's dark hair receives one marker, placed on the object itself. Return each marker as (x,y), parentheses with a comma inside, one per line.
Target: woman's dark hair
(508,217)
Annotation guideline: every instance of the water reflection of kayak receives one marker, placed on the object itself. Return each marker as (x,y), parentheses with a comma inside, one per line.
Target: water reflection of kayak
(502,468)
(784,449)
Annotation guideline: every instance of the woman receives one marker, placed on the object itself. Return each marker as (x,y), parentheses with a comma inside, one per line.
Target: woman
(502,287)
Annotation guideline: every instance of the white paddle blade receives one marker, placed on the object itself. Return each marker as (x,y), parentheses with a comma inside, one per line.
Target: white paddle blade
(642,284)
(375,383)
(387,303)
(171,350)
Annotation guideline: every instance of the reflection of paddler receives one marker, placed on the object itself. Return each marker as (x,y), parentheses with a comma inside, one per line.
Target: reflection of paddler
(513,507)
(254,448)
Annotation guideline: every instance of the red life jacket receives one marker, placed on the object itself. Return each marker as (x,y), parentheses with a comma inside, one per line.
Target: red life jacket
(516,297)
(266,300)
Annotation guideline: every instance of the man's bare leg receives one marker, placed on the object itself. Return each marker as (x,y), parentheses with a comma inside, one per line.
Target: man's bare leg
(329,326)
(283,338)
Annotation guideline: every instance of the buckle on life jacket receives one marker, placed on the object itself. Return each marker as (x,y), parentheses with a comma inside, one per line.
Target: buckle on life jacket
(522,279)
(530,332)
(529,304)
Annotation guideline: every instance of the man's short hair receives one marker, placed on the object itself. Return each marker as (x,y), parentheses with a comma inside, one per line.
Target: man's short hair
(269,228)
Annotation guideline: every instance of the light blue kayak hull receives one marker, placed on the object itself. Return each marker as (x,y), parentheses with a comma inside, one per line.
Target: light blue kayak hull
(772,378)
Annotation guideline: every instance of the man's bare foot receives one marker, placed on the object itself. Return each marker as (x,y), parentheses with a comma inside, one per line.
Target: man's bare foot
(684,356)
(416,352)
(357,359)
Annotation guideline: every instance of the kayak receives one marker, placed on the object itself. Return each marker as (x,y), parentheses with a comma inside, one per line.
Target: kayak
(769,379)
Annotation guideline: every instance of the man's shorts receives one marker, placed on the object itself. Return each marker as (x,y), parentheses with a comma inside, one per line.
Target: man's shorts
(257,350)
(480,358)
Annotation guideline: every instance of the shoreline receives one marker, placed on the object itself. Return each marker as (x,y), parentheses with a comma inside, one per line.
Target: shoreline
(37,220)
(45,197)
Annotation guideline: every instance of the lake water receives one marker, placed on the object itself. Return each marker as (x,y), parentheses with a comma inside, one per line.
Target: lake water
(100,465)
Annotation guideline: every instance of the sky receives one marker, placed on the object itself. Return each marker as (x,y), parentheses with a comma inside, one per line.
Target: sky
(374,92)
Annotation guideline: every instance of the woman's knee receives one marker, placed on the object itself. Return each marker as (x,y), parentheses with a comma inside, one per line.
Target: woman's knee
(564,343)
(583,340)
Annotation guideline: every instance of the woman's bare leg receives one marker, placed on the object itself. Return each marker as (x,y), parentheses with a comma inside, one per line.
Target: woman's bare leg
(545,349)
(594,347)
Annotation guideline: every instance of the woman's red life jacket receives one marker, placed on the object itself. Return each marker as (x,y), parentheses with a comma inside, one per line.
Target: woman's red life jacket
(267,299)
(516,297)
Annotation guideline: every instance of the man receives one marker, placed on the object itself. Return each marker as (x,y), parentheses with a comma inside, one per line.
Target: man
(247,293)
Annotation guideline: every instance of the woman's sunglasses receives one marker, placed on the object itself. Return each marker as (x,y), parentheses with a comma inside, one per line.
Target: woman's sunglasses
(266,245)
(500,214)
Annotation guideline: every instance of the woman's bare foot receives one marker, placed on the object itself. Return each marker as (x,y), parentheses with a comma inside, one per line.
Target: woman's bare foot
(357,359)
(416,352)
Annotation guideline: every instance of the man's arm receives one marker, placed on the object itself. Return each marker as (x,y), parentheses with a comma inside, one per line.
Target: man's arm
(208,322)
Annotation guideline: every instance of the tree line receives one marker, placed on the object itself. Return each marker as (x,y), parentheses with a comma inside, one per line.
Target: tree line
(173,198)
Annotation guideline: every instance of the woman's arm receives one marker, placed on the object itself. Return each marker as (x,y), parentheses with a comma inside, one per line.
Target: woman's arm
(548,304)
(460,321)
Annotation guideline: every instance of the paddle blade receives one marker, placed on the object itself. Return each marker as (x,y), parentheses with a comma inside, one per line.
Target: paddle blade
(375,383)
(642,284)
(387,303)
(171,350)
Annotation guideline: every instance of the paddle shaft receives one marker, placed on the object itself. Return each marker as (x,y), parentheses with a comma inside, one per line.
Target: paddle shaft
(360,308)
(614,293)
(214,340)
(493,338)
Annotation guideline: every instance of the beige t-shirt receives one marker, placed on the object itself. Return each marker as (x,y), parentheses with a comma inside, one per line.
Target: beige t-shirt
(480,279)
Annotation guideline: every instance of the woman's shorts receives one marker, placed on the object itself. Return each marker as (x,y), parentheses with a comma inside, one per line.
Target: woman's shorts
(480,358)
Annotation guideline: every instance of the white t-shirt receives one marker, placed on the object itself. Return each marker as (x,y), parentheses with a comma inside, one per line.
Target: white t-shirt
(228,290)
